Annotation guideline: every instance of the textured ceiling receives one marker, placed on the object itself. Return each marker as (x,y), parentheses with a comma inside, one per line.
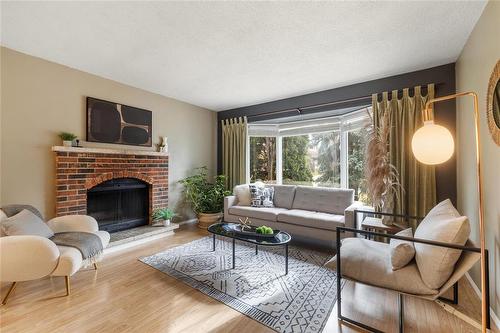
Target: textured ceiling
(222,55)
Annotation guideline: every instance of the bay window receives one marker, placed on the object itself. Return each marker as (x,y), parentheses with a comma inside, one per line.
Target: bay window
(326,152)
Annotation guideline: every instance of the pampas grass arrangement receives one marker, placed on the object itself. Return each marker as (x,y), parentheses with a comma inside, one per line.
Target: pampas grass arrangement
(381,176)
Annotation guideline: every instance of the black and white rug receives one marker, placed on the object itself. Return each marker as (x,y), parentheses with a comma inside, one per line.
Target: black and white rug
(258,287)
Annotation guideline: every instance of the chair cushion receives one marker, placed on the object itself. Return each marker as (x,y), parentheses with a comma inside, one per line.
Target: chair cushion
(70,261)
(369,262)
(402,252)
(26,223)
(442,224)
(323,199)
(283,196)
(242,193)
(263,213)
(261,196)
(11,210)
(311,219)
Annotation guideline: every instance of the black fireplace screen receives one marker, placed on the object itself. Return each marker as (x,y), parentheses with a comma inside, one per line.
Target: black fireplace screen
(119,204)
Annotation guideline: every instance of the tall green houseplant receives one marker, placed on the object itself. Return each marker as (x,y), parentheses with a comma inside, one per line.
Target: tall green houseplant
(206,197)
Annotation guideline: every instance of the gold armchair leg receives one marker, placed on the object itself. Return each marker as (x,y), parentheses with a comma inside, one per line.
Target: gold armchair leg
(68,288)
(11,289)
(95,266)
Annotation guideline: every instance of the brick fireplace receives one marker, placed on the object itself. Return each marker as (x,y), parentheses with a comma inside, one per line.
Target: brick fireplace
(79,170)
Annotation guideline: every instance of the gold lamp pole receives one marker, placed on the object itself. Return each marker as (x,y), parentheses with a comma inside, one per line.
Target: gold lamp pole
(433,144)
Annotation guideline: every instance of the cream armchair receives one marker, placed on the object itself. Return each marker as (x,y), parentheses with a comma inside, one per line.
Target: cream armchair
(24,258)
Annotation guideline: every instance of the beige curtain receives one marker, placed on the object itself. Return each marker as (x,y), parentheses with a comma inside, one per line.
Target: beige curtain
(234,136)
(417,194)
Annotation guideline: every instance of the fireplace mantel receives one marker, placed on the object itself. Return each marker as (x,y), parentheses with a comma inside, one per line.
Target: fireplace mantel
(107,151)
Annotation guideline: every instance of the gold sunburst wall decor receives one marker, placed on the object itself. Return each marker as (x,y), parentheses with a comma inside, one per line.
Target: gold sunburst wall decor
(493,104)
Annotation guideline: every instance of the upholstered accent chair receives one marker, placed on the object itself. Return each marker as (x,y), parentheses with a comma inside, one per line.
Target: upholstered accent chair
(25,258)
(369,262)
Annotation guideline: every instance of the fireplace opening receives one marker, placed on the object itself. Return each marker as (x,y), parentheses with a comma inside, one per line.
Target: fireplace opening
(119,204)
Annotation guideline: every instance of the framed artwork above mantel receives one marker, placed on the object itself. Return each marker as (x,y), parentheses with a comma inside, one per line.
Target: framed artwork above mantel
(111,122)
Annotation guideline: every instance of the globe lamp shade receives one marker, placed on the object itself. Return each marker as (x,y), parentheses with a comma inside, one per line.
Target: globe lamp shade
(432,144)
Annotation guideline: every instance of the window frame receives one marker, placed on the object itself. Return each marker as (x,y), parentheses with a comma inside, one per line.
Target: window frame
(343,124)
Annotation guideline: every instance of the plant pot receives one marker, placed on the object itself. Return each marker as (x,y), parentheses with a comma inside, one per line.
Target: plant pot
(207,219)
(166,223)
(67,143)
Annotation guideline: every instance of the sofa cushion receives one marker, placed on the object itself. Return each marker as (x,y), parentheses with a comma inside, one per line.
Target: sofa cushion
(26,223)
(323,199)
(402,251)
(368,262)
(263,213)
(442,224)
(70,261)
(283,196)
(261,196)
(242,193)
(311,219)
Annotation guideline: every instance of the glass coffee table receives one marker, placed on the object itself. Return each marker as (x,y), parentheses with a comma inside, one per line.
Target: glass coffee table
(280,239)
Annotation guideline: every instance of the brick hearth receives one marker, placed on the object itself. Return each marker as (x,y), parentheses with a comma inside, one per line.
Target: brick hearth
(79,169)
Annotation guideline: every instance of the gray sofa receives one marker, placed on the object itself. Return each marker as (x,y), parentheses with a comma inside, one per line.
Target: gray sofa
(309,214)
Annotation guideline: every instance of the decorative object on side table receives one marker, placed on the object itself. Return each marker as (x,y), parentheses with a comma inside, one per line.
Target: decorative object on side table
(163,216)
(67,138)
(206,198)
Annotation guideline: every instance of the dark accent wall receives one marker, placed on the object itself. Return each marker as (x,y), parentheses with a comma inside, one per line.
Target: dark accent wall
(443,76)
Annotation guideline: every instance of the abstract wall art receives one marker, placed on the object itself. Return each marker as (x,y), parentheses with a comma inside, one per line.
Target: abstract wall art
(111,122)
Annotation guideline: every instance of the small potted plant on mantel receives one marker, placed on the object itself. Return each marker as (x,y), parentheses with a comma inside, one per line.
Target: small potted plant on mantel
(206,198)
(163,216)
(67,138)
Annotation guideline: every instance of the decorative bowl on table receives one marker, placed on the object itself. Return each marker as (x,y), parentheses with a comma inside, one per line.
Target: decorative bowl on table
(249,231)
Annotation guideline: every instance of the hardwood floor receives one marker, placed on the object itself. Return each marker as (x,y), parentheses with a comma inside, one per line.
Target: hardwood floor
(125,295)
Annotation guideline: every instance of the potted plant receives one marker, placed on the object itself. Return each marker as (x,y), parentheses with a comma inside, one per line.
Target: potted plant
(67,138)
(163,215)
(206,198)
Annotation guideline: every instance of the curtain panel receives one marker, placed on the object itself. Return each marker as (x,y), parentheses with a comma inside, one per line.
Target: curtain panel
(234,136)
(417,193)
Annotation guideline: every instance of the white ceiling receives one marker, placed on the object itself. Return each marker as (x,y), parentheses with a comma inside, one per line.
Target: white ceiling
(223,55)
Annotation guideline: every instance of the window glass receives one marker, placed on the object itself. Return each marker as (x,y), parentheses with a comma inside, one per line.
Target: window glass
(297,160)
(356,143)
(263,159)
(325,154)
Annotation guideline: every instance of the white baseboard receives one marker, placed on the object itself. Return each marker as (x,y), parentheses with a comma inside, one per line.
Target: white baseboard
(478,292)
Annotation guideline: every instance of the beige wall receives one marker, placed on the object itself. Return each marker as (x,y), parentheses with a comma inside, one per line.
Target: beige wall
(473,70)
(41,98)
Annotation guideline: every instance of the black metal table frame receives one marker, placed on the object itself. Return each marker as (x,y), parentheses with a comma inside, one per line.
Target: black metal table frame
(400,296)
(256,248)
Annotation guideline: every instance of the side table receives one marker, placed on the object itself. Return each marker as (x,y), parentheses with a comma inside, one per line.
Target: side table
(375,224)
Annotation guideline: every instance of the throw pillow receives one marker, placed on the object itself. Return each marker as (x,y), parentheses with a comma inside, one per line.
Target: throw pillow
(261,196)
(2,215)
(442,224)
(242,193)
(26,223)
(402,252)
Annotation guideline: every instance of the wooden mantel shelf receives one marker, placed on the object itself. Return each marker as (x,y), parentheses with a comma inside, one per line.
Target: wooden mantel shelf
(107,151)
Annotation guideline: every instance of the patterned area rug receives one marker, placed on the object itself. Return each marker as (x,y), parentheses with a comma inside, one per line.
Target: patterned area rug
(258,287)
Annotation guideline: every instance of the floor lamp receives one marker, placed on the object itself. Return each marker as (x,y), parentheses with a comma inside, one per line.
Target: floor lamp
(433,144)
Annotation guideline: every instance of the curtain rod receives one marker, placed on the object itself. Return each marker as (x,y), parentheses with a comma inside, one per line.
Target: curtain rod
(300,109)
